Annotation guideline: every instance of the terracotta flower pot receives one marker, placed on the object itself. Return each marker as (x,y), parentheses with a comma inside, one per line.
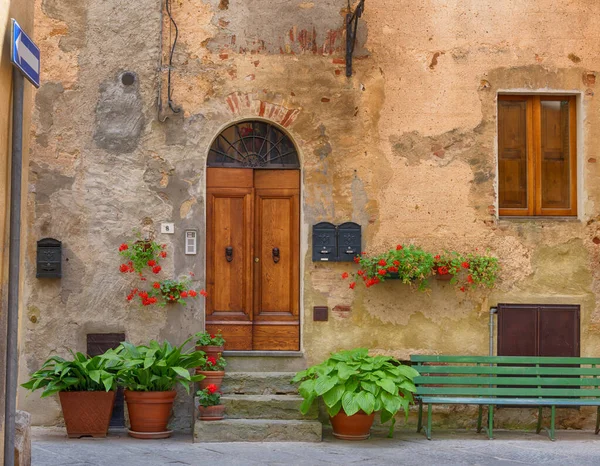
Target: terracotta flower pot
(149,413)
(444,277)
(211,413)
(87,413)
(355,427)
(212,377)
(214,351)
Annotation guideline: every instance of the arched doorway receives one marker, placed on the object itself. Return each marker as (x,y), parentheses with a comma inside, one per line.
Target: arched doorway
(252,238)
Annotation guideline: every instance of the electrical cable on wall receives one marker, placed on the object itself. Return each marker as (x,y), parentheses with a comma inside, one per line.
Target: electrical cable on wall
(169,90)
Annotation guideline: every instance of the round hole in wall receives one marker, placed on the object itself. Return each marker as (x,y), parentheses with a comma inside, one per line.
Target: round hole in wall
(127,78)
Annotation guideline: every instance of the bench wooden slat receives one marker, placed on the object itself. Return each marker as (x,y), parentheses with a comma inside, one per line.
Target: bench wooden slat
(508,370)
(509,401)
(482,380)
(503,359)
(520,392)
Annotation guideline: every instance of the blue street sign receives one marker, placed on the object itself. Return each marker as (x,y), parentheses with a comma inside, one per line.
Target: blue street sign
(24,54)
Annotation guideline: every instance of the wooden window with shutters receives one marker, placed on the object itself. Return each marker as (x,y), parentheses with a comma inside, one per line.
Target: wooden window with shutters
(537,155)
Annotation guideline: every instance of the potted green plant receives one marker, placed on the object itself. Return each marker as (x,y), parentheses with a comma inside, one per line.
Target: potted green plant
(209,403)
(213,370)
(149,374)
(354,386)
(212,344)
(86,389)
(140,253)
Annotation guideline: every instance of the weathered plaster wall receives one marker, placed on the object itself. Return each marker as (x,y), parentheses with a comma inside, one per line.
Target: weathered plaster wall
(22,11)
(406,148)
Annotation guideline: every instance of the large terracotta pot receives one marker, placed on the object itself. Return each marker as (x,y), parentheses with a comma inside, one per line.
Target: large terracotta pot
(355,427)
(211,413)
(87,413)
(214,351)
(149,413)
(212,377)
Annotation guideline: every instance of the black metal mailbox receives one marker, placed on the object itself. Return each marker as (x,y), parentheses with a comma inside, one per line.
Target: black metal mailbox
(49,258)
(324,242)
(349,241)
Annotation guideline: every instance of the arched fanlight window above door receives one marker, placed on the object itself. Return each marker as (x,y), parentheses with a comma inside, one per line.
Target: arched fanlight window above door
(253,144)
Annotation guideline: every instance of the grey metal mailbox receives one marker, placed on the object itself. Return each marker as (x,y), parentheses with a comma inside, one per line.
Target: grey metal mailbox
(49,258)
(324,242)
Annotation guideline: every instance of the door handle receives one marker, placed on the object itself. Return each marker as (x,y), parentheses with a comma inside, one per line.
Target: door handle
(276,255)
(229,253)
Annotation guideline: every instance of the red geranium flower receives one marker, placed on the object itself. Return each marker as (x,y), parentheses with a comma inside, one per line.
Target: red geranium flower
(183,294)
(396,263)
(470,279)
(151,263)
(352,285)
(156,269)
(382,272)
(211,360)
(211,388)
(361,272)
(203,293)
(192,293)
(382,262)
(123,247)
(345,275)
(163,254)
(443,270)
(399,247)
(437,258)
(465,265)
(356,260)
(124,268)
(156,285)
(462,288)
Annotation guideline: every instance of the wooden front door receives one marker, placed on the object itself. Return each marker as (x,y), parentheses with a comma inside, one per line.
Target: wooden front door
(252,257)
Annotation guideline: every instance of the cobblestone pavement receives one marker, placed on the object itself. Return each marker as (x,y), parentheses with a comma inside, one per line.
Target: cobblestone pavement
(50,447)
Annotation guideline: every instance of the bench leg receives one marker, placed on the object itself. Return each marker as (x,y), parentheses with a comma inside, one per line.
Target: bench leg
(597,420)
(420,421)
(552,419)
(539,424)
(491,422)
(429,422)
(479,417)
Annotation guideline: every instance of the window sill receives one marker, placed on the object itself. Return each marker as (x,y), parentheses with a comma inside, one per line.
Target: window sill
(525,219)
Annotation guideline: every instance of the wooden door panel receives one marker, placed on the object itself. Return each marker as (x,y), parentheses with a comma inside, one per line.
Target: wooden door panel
(229,282)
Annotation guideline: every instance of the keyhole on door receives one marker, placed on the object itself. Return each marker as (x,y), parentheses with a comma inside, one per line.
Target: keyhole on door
(276,255)
(229,253)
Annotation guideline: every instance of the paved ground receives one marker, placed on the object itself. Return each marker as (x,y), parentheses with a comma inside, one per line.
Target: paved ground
(52,448)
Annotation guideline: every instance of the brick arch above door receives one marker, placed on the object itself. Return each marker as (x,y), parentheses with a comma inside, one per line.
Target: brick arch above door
(242,105)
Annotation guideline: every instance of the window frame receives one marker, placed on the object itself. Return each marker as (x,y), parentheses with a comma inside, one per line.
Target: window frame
(534,156)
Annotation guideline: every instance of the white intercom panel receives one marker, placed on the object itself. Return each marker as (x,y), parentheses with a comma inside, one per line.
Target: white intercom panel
(190,241)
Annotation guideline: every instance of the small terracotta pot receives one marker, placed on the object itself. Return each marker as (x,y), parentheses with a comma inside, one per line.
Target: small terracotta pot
(214,351)
(149,413)
(355,427)
(211,413)
(212,377)
(87,413)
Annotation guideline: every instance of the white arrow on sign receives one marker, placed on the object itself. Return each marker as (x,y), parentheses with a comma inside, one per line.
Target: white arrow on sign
(24,54)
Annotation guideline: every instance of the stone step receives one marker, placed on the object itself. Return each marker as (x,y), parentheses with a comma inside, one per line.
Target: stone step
(265,361)
(258,383)
(266,407)
(257,430)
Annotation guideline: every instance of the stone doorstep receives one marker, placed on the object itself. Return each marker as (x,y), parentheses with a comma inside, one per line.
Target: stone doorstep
(259,383)
(257,430)
(266,407)
(264,361)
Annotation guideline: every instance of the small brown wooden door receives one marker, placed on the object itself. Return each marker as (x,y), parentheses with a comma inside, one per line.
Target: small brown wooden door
(252,257)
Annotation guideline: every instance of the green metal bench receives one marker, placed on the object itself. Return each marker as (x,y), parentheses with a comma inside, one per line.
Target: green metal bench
(513,381)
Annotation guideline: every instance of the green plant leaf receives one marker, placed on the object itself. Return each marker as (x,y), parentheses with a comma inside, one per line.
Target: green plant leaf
(324,384)
(307,388)
(388,385)
(334,395)
(345,371)
(182,372)
(350,404)
(95,376)
(307,403)
(366,401)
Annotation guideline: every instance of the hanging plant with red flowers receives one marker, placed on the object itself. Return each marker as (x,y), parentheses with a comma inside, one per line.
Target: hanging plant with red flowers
(412,265)
(140,253)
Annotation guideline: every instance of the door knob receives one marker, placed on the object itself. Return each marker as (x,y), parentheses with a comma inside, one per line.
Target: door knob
(256,259)
(276,255)
(229,253)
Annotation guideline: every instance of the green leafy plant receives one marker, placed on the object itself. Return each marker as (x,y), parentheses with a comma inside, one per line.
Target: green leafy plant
(156,367)
(213,364)
(410,264)
(210,396)
(448,263)
(209,339)
(353,381)
(482,270)
(140,253)
(82,373)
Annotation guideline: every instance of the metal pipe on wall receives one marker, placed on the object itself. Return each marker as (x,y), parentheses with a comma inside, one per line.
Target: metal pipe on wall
(493,310)
(12,324)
